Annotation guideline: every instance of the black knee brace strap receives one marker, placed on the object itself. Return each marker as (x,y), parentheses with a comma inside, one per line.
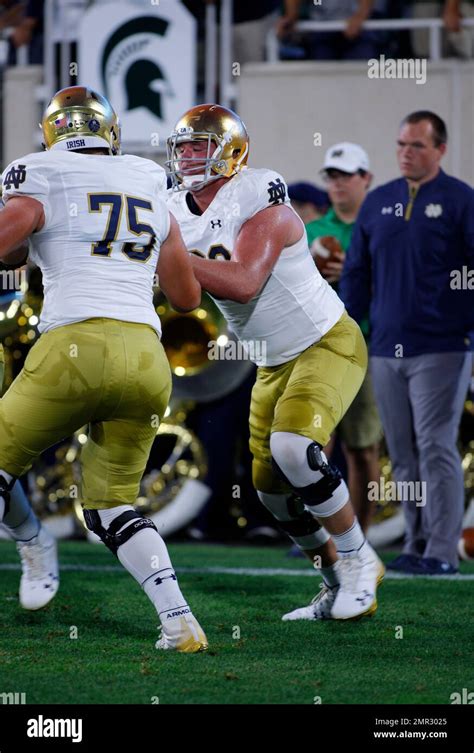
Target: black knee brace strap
(322,490)
(302,523)
(302,526)
(5,489)
(109,535)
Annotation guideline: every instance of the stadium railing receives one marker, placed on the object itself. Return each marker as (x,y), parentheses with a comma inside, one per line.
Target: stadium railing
(228,88)
(434,26)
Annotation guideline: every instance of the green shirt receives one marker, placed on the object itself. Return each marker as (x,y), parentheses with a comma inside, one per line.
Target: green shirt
(330,224)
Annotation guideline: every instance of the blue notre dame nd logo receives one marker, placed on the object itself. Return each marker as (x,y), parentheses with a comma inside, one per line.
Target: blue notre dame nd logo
(94,125)
(276,191)
(15,177)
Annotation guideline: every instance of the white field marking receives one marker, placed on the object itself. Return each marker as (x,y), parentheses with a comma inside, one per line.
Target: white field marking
(258,571)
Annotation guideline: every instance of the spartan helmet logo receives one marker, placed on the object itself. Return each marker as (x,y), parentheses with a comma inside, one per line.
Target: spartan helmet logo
(138,82)
(125,54)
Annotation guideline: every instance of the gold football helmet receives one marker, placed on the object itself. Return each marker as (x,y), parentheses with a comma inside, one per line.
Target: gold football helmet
(227,147)
(79,118)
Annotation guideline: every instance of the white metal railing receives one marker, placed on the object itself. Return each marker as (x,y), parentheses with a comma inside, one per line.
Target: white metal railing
(21,52)
(434,26)
(210,76)
(227,88)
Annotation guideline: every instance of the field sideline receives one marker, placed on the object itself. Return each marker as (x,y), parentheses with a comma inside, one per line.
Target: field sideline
(253,656)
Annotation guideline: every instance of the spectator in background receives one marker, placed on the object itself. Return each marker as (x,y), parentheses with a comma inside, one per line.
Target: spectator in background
(309,202)
(30,31)
(11,13)
(352,44)
(252,20)
(348,177)
(455,39)
(413,236)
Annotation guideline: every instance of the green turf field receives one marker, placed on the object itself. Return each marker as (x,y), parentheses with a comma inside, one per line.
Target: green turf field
(113,659)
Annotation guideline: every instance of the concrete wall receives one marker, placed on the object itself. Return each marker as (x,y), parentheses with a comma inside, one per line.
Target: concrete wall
(284,105)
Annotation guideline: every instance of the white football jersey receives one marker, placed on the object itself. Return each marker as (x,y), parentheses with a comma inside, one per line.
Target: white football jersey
(105,218)
(296,306)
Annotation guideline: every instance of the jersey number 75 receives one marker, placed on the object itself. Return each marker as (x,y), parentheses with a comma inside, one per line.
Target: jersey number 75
(115,203)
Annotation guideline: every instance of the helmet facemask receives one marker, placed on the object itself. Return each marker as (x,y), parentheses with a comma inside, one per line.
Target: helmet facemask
(201,170)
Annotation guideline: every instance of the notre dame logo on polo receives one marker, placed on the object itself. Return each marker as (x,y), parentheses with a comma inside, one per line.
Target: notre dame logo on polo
(15,177)
(276,191)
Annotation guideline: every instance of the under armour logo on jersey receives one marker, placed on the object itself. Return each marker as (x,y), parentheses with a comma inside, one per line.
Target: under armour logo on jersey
(215,223)
(433,210)
(15,177)
(387,210)
(276,191)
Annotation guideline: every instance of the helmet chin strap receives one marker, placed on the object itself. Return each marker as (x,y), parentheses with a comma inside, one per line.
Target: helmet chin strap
(189,180)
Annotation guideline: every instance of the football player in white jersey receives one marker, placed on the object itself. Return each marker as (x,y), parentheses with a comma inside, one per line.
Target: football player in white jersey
(98,228)
(251,254)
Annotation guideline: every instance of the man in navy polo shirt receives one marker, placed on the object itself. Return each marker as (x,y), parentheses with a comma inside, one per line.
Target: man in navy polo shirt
(408,264)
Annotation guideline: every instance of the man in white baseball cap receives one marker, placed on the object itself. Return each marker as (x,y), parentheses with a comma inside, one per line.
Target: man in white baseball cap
(346,157)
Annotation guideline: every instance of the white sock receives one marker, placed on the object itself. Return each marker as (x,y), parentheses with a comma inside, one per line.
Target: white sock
(349,541)
(330,576)
(21,521)
(146,558)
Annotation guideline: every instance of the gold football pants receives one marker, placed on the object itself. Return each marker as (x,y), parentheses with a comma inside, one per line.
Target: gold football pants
(113,376)
(2,367)
(308,395)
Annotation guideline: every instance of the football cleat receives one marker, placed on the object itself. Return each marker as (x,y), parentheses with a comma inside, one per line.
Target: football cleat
(359,575)
(183,634)
(40,574)
(319,607)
